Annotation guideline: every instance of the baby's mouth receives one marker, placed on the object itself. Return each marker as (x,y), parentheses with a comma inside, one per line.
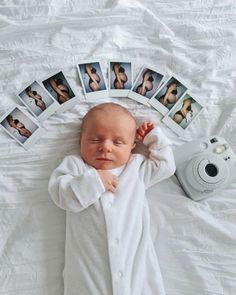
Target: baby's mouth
(103,159)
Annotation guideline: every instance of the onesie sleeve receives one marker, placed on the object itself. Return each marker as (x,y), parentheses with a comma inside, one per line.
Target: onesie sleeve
(160,164)
(74,186)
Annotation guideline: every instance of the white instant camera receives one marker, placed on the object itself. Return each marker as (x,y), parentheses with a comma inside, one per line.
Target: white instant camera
(205,166)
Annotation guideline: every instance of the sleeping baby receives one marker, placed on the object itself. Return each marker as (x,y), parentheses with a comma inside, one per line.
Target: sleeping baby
(109,249)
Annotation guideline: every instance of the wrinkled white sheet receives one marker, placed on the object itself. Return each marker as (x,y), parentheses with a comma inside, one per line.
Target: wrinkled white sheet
(196,40)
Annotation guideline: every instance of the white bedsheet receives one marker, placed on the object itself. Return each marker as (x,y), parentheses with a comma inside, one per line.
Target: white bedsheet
(196,40)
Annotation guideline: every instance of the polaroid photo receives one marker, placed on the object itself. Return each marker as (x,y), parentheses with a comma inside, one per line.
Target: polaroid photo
(183,113)
(59,88)
(146,84)
(41,104)
(120,78)
(21,126)
(92,80)
(168,95)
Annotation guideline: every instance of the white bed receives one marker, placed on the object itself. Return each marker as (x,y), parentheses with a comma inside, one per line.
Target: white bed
(196,40)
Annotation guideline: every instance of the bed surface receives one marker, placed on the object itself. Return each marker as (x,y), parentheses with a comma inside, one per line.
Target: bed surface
(196,40)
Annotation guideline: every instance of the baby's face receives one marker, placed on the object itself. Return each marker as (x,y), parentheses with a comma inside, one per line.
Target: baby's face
(107,140)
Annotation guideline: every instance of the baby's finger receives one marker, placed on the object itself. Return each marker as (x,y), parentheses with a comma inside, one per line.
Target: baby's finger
(151,125)
(112,188)
(115,183)
(140,131)
(115,179)
(139,137)
(145,126)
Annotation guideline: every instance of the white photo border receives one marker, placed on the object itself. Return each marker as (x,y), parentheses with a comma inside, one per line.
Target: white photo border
(156,104)
(48,111)
(93,94)
(176,127)
(119,92)
(70,102)
(138,97)
(38,132)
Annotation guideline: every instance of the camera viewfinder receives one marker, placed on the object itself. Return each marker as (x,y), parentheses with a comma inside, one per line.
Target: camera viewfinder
(213,140)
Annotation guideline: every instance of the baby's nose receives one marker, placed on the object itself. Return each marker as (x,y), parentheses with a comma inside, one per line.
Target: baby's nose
(106,146)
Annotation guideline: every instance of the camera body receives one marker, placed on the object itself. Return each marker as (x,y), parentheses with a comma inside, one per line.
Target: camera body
(205,166)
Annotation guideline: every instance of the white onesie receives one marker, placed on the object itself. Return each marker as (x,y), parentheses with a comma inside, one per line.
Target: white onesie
(109,249)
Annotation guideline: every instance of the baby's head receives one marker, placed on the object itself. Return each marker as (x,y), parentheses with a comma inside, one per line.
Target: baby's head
(108,135)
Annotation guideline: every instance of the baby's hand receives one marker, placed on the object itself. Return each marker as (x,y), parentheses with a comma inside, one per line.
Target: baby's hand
(109,180)
(143,130)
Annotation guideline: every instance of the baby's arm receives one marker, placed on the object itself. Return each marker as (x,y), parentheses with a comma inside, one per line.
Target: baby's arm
(160,164)
(74,186)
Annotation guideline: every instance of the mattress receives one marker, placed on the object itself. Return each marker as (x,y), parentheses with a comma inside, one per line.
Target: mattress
(195,241)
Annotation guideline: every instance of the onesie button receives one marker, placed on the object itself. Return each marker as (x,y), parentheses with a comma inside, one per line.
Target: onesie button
(117,241)
(109,205)
(120,274)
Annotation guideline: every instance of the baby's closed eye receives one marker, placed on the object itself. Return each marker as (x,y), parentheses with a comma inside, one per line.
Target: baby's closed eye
(118,142)
(95,139)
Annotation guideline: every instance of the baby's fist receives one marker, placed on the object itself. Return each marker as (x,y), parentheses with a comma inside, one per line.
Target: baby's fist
(144,129)
(109,180)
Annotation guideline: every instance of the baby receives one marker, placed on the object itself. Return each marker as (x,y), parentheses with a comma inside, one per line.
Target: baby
(109,249)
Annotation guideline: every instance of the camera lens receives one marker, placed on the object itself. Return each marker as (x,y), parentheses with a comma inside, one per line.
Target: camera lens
(211,170)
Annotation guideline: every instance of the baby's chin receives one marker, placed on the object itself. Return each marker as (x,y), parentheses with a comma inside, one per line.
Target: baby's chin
(106,166)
